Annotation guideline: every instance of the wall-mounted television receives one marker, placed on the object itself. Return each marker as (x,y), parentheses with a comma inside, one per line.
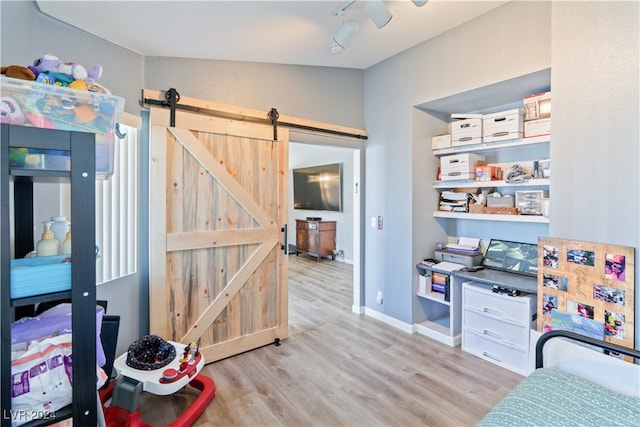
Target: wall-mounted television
(318,188)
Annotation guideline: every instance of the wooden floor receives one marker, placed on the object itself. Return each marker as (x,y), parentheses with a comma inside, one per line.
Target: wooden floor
(338,368)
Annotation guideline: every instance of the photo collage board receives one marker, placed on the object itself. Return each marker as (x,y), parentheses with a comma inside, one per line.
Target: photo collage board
(587,288)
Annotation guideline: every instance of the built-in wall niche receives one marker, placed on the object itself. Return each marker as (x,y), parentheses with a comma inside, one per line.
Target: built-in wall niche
(500,96)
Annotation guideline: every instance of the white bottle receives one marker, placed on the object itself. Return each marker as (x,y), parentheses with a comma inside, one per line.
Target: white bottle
(59,229)
(48,246)
(66,245)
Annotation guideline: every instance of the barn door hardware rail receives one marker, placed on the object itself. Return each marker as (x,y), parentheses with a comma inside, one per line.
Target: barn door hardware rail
(172,99)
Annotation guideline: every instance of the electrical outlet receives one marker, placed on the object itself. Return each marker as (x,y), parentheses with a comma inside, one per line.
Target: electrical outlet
(379,297)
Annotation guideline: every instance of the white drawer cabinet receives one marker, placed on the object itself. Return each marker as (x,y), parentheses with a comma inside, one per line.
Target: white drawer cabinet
(496,327)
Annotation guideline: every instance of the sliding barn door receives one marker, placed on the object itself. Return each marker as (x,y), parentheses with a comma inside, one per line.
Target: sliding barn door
(218,195)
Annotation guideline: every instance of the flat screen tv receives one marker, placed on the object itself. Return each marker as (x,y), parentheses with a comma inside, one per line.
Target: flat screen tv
(318,188)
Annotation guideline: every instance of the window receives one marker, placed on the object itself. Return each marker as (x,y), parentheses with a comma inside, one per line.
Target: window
(117,211)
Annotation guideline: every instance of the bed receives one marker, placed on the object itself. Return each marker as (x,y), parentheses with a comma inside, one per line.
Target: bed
(574,383)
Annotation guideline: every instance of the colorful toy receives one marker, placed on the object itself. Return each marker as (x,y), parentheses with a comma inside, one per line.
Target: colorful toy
(49,63)
(152,365)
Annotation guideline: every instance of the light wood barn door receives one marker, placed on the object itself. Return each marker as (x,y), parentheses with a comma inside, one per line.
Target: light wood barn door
(218,195)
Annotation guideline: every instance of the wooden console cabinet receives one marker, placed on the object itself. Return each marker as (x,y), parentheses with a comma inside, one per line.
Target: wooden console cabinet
(316,238)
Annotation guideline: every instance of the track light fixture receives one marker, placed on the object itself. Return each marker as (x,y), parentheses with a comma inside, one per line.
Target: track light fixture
(349,28)
(378,12)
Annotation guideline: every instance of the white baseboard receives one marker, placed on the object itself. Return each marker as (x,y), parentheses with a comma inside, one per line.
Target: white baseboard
(406,327)
(357,309)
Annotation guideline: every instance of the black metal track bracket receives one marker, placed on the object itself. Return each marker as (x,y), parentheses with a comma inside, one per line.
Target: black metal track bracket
(172,99)
(273,116)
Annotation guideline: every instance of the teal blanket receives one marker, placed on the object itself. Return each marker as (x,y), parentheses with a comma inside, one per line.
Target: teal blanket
(549,397)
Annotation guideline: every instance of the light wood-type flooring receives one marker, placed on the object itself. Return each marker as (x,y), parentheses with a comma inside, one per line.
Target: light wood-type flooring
(338,368)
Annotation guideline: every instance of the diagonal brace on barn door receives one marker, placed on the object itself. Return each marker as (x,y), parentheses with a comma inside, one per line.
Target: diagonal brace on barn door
(230,290)
(209,163)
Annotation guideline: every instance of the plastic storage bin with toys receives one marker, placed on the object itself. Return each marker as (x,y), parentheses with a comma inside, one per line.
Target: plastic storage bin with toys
(55,95)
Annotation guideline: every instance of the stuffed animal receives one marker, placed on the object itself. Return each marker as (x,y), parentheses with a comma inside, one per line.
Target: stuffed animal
(78,72)
(18,72)
(46,63)
(50,63)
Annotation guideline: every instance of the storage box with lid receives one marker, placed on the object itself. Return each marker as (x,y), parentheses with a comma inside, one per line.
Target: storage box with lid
(466,129)
(459,166)
(537,106)
(537,115)
(31,103)
(540,127)
(441,141)
(502,126)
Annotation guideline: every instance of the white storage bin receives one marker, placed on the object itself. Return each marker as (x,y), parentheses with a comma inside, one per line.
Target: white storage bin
(441,141)
(502,126)
(466,132)
(459,166)
(538,127)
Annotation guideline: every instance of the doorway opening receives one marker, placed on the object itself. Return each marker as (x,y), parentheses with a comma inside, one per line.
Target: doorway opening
(348,222)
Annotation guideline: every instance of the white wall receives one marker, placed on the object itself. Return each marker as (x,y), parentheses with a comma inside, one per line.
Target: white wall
(27,34)
(596,125)
(332,95)
(303,155)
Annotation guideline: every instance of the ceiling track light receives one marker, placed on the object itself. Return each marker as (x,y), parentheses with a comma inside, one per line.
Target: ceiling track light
(349,28)
(419,3)
(378,12)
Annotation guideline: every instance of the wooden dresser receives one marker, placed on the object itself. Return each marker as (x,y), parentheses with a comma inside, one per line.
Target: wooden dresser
(316,238)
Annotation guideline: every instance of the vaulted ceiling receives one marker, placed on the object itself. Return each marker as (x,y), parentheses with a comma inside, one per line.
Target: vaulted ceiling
(284,32)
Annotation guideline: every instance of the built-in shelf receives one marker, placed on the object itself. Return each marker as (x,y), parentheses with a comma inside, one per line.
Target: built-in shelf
(485,184)
(439,330)
(487,146)
(434,296)
(492,217)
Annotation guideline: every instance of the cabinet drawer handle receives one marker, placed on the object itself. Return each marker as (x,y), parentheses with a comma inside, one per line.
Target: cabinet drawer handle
(504,133)
(492,311)
(492,334)
(465,138)
(491,356)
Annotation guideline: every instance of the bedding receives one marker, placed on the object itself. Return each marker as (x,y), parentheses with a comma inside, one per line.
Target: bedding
(576,383)
(550,397)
